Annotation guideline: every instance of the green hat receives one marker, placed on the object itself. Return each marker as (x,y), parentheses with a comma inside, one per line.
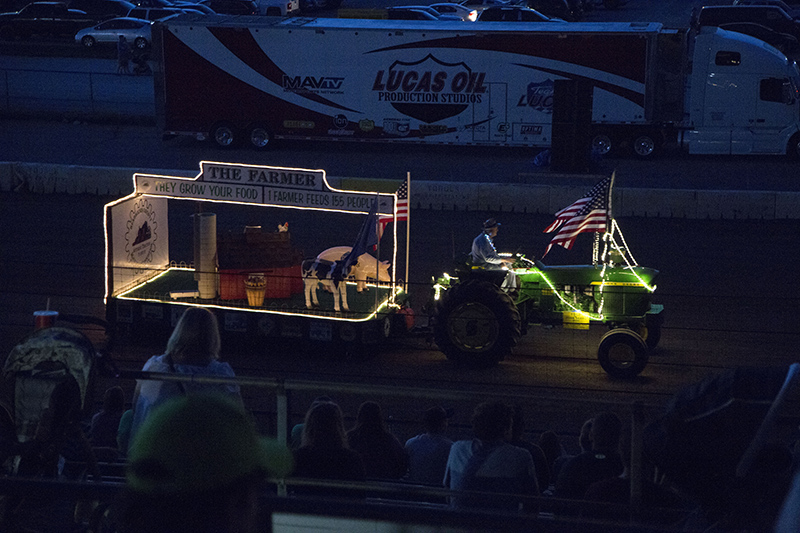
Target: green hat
(196,443)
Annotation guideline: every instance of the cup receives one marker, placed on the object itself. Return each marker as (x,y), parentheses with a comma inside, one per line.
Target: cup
(44,319)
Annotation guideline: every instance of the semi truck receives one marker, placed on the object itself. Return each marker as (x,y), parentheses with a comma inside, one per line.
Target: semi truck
(255,80)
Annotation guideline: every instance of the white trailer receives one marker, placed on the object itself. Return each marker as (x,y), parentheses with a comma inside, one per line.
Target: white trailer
(253,80)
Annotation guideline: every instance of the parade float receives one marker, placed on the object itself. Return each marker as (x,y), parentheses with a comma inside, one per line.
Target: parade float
(250,274)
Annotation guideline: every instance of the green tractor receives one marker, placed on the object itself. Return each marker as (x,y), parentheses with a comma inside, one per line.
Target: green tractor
(478,323)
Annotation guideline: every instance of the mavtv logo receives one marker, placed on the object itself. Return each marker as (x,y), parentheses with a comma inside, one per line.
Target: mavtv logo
(311,82)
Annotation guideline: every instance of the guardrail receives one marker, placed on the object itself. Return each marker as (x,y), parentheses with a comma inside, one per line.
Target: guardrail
(384,505)
(76,94)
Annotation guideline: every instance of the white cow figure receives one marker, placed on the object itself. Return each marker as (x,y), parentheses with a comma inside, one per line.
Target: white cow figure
(316,271)
(364,268)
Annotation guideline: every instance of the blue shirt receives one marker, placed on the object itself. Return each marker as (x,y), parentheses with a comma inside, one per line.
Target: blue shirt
(153,393)
(507,469)
(427,458)
(483,251)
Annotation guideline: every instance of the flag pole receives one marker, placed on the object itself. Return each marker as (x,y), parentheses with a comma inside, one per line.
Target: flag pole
(408,225)
(609,217)
(377,251)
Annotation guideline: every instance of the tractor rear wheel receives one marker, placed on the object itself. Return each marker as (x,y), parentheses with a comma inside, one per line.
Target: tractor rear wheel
(477,324)
(622,353)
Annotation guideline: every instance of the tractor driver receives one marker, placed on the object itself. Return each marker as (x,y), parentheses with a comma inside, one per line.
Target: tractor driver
(484,254)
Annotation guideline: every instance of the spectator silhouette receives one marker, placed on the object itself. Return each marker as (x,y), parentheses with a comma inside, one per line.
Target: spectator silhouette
(428,452)
(539,459)
(198,464)
(324,453)
(105,423)
(192,349)
(488,463)
(123,55)
(382,454)
(296,435)
(617,490)
(601,462)
(550,443)
(584,444)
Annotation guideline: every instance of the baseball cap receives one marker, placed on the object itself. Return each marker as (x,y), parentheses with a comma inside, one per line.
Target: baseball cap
(491,223)
(195,443)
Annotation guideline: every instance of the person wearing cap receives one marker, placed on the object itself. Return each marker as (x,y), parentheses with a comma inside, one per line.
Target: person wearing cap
(484,253)
(428,452)
(198,464)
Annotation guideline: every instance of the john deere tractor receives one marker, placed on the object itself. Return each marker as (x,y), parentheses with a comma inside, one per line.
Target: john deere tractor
(478,323)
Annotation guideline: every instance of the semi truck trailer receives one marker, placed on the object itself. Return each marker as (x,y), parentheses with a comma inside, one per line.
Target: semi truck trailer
(255,80)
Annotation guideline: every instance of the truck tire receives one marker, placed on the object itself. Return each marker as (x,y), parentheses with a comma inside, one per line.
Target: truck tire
(477,324)
(259,137)
(644,145)
(223,135)
(622,353)
(603,143)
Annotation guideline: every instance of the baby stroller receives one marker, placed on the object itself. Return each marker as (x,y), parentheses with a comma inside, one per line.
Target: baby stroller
(49,379)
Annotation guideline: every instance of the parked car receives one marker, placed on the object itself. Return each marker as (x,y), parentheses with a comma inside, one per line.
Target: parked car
(465,13)
(232,7)
(554,9)
(157,13)
(43,18)
(418,13)
(513,14)
(485,3)
(792,10)
(784,42)
(194,6)
(136,31)
(102,9)
(278,8)
(772,17)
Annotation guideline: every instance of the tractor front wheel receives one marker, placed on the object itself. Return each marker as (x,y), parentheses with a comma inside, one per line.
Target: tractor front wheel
(477,324)
(622,353)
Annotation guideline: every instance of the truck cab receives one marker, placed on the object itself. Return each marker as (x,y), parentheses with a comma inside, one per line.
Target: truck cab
(743,97)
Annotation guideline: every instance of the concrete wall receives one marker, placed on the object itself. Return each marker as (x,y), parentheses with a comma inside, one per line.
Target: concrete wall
(445,195)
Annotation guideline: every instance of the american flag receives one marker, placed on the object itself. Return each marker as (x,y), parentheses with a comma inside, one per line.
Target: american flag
(589,214)
(402,207)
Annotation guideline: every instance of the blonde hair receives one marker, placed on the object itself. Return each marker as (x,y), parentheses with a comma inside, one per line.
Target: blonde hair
(195,339)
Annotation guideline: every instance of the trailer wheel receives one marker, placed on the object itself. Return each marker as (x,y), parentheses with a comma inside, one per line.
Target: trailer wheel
(644,146)
(602,143)
(260,137)
(622,353)
(223,135)
(793,148)
(477,324)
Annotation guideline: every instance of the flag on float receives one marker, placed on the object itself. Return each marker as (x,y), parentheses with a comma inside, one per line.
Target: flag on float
(402,207)
(367,237)
(589,214)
